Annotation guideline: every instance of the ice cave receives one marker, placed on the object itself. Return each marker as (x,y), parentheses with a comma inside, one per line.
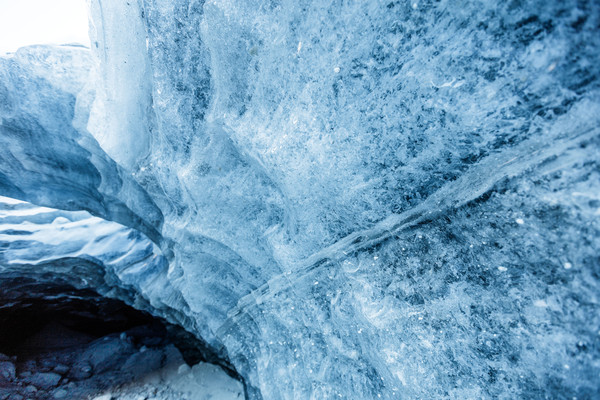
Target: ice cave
(309,199)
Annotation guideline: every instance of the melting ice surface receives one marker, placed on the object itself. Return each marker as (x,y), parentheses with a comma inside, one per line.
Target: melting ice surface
(79,250)
(353,200)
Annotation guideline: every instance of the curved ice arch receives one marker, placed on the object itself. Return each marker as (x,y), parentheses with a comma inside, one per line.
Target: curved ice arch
(48,157)
(85,252)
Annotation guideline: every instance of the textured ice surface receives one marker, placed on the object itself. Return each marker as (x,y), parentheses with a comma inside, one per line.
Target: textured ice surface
(47,156)
(358,199)
(76,249)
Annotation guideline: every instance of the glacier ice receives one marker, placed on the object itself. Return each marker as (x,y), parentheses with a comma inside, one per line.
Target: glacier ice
(48,156)
(82,251)
(350,199)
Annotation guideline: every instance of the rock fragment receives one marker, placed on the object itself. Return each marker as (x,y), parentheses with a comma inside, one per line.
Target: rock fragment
(44,380)
(7,371)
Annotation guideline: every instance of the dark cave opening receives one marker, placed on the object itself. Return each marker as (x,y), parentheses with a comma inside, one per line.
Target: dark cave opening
(53,335)
(27,307)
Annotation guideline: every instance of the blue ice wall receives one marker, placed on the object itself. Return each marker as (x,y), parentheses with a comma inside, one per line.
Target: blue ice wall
(368,199)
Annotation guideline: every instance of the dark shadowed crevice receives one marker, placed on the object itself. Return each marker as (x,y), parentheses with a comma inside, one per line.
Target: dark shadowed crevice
(54,335)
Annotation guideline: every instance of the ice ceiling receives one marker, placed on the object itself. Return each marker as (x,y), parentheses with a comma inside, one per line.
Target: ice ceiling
(343,199)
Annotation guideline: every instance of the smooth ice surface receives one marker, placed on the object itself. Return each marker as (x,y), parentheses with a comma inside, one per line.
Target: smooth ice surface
(356,199)
(85,252)
(48,157)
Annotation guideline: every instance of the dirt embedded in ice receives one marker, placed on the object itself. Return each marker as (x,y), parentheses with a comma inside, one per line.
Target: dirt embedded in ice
(137,364)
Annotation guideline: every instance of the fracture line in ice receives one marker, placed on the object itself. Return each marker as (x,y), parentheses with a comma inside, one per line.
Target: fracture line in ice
(478,180)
